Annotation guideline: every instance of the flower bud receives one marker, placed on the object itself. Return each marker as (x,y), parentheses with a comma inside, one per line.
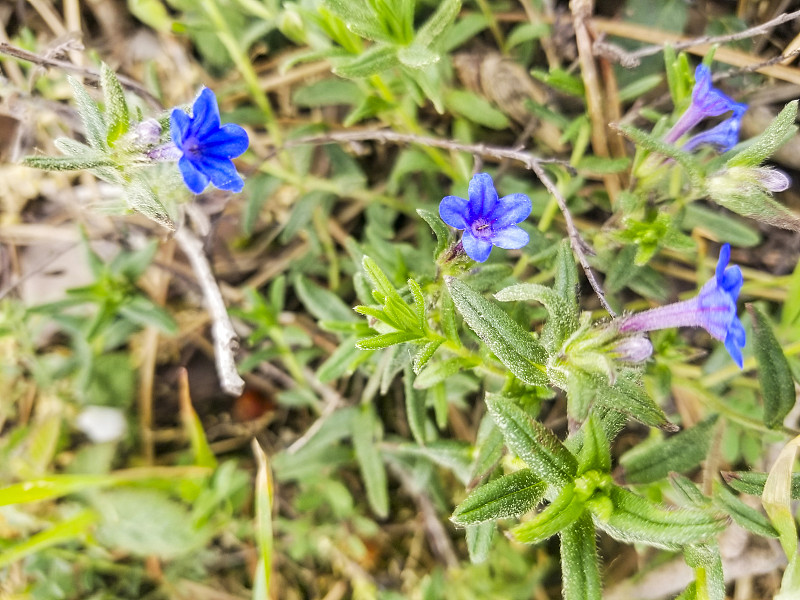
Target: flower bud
(633,349)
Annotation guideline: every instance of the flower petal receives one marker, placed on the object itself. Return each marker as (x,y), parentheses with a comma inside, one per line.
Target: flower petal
(735,340)
(476,248)
(222,173)
(454,211)
(510,238)
(205,114)
(482,196)
(722,261)
(228,142)
(194,179)
(510,210)
(179,123)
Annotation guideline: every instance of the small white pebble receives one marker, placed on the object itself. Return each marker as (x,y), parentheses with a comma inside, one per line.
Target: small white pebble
(101,423)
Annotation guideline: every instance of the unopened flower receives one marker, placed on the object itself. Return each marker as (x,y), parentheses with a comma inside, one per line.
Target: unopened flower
(707,101)
(633,349)
(486,219)
(713,309)
(746,182)
(206,148)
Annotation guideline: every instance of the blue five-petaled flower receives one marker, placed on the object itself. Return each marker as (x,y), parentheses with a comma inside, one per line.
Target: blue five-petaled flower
(713,309)
(486,219)
(708,101)
(206,147)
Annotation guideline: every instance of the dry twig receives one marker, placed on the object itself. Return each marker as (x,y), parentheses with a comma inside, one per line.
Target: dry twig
(534,163)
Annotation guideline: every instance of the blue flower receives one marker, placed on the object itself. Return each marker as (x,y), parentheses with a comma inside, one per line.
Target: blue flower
(486,219)
(713,309)
(724,136)
(707,101)
(206,147)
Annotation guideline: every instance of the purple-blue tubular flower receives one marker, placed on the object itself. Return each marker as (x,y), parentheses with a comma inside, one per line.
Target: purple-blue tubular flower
(724,136)
(206,147)
(713,309)
(486,219)
(707,101)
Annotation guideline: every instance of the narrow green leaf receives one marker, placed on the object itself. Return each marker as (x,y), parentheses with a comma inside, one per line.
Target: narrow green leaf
(384,340)
(725,227)
(445,13)
(688,490)
(746,516)
(341,361)
(510,496)
(706,561)
(752,482)
(117,115)
(651,462)
(774,375)
(439,371)
(479,541)
(373,61)
(425,353)
(193,427)
(475,108)
(416,56)
(141,198)
(360,18)
(65,531)
(580,567)
(628,397)
(595,454)
(321,302)
(370,461)
(557,516)
(264,503)
(419,303)
(780,131)
(636,519)
(562,319)
(67,163)
(93,122)
(534,443)
(415,407)
(454,455)
(439,229)
(515,347)
(57,486)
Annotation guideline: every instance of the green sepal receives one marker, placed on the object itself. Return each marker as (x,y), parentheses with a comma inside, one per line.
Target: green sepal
(93,122)
(774,374)
(780,131)
(117,115)
(651,462)
(370,461)
(746,516)
(580,567)
(512,345)
(562,512)
(509,496)
(635,519)
(535,444)
(595,453)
